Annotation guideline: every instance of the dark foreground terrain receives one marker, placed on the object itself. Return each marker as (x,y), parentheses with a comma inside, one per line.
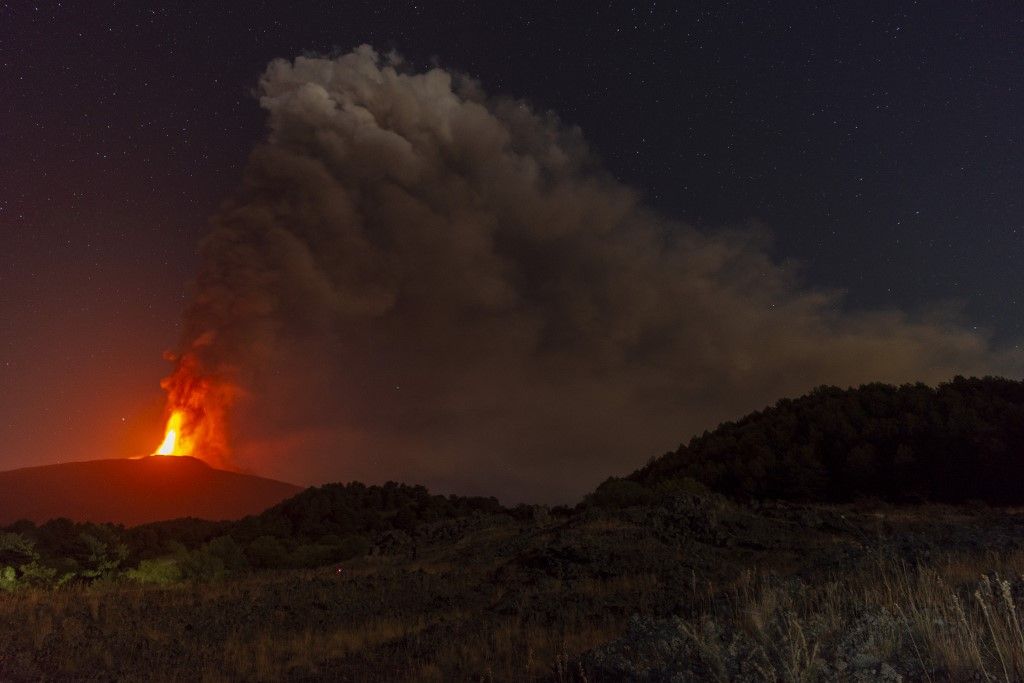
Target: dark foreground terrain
(690,586)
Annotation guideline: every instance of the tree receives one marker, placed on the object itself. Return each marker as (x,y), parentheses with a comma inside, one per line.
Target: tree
(229,552)
(266,552)
(100,558)
(16,550)
(19,563)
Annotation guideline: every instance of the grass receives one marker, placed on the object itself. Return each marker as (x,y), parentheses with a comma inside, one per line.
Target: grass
(504,609)
(77,630)
(948,627)
(955,618)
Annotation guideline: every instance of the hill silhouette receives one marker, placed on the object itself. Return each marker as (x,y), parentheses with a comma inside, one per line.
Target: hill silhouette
(129,492)
(962,440)
(320,525)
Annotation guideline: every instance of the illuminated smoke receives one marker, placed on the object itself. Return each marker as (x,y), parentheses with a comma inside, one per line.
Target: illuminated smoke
(420,282)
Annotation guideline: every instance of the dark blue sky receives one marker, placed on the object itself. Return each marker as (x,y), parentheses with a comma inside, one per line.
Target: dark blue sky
(879,143)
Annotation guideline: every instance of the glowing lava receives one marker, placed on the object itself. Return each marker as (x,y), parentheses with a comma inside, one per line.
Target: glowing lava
(173,444)
(197,408)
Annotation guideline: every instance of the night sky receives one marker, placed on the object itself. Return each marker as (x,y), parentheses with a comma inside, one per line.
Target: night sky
(878,143)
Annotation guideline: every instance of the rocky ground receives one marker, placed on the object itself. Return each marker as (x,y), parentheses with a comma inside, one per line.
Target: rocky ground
(693,588)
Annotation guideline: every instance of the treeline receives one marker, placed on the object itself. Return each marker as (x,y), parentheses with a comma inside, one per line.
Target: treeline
(960,441)
(317,527)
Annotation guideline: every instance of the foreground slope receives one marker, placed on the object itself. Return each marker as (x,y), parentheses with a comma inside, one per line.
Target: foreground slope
(135,491)
(685,587)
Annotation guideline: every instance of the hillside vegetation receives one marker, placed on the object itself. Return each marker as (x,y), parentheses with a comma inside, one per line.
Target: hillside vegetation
(960,441)
(319,526)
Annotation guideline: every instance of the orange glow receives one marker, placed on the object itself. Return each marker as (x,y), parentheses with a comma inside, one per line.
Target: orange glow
(197,408)
(173,444)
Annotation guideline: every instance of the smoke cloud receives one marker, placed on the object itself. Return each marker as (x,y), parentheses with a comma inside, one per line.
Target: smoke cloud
(423,283)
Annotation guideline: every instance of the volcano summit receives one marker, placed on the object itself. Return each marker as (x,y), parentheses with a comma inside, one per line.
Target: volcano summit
(135,491)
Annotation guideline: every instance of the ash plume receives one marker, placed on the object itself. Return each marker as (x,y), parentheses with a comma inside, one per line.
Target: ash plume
(420,282)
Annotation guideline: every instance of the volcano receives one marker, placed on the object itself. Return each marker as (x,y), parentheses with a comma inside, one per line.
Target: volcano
(135,491)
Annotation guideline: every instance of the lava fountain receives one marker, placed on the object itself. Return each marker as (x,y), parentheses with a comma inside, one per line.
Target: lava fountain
(197,412)
(171,444)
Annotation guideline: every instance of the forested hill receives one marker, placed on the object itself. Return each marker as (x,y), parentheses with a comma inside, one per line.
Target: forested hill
(960,441)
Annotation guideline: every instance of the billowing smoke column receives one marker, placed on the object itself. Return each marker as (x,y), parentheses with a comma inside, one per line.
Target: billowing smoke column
(420,282)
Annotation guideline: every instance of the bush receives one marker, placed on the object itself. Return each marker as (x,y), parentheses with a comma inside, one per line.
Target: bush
(266,552)
(619,493)
(16,550)
(687,485)
(160,571)
(352,546)
(201,565)
(99,558)
(8,579)
(229,552)
(19,563)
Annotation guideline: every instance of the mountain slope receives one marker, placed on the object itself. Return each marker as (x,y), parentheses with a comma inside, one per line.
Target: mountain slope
(135,491)
(959,441)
